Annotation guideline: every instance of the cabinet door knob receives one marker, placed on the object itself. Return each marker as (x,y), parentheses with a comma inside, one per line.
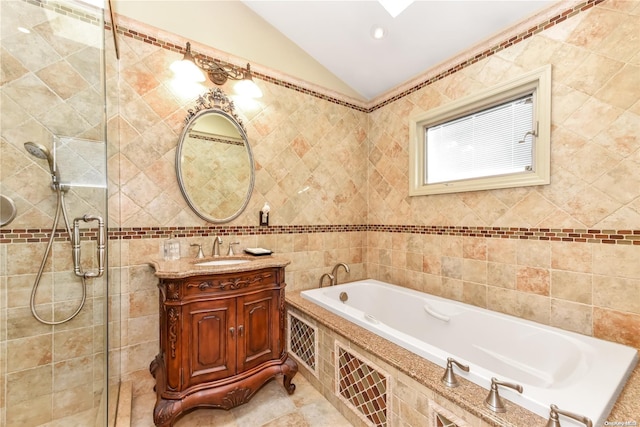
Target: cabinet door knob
(232,330)
(240,329)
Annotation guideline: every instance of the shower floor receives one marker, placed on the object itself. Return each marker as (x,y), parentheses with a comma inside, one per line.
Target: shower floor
(271,407)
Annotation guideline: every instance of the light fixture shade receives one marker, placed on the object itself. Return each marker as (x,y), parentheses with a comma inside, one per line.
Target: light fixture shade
(246,87)
(186,70)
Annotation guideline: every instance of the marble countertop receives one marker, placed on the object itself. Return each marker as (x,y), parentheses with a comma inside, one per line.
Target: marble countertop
(468,396)
(186,267)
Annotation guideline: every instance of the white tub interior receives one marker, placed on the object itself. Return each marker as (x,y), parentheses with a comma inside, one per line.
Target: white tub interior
(577,373)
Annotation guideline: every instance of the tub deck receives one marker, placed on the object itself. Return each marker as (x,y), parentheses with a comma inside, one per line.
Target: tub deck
(469,396)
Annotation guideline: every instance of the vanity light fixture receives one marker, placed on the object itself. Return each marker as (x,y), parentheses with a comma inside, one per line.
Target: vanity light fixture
(192,68)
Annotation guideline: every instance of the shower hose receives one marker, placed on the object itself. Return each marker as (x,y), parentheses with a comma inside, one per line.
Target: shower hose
(60,207)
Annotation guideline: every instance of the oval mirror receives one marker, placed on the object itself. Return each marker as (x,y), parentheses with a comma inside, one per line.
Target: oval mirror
(214,162)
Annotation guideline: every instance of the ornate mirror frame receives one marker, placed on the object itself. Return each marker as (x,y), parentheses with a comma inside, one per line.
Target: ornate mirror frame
(213,102)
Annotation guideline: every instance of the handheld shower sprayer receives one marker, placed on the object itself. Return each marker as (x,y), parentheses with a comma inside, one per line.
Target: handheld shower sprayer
(41,152)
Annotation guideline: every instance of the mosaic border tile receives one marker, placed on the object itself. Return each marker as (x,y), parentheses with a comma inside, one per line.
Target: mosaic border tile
(313,352)
(66,10)
(361,392)
(596,236)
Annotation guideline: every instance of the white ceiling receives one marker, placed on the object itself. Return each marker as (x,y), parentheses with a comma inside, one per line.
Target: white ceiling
(328,43)
(338,34)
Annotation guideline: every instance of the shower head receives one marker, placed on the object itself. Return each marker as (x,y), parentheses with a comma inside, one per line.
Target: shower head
(41,152)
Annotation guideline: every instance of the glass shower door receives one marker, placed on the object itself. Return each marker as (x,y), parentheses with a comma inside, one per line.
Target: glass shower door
(54,287)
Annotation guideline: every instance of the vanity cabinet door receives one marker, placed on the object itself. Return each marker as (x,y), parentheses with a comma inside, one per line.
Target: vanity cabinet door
(211,339)
(258,320)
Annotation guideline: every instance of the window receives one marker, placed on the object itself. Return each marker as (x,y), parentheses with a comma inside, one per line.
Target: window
(497,138)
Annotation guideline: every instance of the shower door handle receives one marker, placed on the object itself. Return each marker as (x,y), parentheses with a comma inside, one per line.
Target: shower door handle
(77,268)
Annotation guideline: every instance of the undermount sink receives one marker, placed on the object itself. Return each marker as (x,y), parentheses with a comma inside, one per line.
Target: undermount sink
(221,262)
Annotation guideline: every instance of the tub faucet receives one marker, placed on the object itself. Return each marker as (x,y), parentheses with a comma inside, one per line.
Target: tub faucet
(449,379)
(494,401)
(330,276)
(334,272)
(216,246)
(554,420)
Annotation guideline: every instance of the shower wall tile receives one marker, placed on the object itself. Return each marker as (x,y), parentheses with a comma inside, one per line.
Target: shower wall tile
(29,352)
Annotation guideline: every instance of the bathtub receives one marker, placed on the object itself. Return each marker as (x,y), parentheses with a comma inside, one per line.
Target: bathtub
(580,374)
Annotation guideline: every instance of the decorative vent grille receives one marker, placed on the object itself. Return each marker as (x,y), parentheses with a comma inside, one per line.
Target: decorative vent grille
(303,343)
(362,386)
(441,417)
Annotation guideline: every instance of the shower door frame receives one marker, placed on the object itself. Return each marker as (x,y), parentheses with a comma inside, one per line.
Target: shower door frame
(78,361)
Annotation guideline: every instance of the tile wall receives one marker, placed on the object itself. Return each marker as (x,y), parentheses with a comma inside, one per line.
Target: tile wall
(563,254)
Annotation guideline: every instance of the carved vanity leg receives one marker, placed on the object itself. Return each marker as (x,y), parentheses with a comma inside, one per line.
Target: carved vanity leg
(165,412)
(289,369)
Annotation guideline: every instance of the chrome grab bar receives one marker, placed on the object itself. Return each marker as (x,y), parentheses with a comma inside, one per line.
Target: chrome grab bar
(77,268)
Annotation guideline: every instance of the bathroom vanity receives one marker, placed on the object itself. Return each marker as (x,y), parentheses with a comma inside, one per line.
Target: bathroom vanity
(222,333)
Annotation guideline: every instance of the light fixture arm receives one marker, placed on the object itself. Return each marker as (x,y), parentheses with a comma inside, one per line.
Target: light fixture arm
(219,72)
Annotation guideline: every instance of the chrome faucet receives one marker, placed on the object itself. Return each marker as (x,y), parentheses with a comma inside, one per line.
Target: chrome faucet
(334,272)
(216,246)
(494,401)
(554,420)
(449,379)
(330,276)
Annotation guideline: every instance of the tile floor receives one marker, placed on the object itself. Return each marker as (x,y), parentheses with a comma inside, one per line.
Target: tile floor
(270,407)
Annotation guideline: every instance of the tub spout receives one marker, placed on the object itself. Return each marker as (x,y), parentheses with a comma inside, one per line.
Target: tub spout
(554,420)
(334,272)
(331,279)
(494,401)
(449,378)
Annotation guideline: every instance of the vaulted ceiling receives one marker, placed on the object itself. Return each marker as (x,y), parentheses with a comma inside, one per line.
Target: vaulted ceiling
(330,43)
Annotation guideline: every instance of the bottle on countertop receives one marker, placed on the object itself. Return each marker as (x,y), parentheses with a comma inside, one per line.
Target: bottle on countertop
(172,248)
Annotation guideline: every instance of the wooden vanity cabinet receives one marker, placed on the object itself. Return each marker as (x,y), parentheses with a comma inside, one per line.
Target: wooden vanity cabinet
(222,336)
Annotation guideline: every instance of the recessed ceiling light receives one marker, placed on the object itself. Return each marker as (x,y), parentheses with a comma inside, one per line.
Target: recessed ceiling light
(24,30)
(378,32)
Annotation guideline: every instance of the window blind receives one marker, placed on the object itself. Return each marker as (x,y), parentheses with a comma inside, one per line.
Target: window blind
(491,142)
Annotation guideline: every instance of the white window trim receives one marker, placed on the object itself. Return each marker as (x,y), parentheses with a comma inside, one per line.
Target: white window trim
(538,81)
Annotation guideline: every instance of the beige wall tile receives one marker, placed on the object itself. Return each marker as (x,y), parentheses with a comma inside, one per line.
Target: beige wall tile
(29,352)
(576,287)
(571,256)
(617,293)
(501,275)
(533,280)
(616,326)
(571,316)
